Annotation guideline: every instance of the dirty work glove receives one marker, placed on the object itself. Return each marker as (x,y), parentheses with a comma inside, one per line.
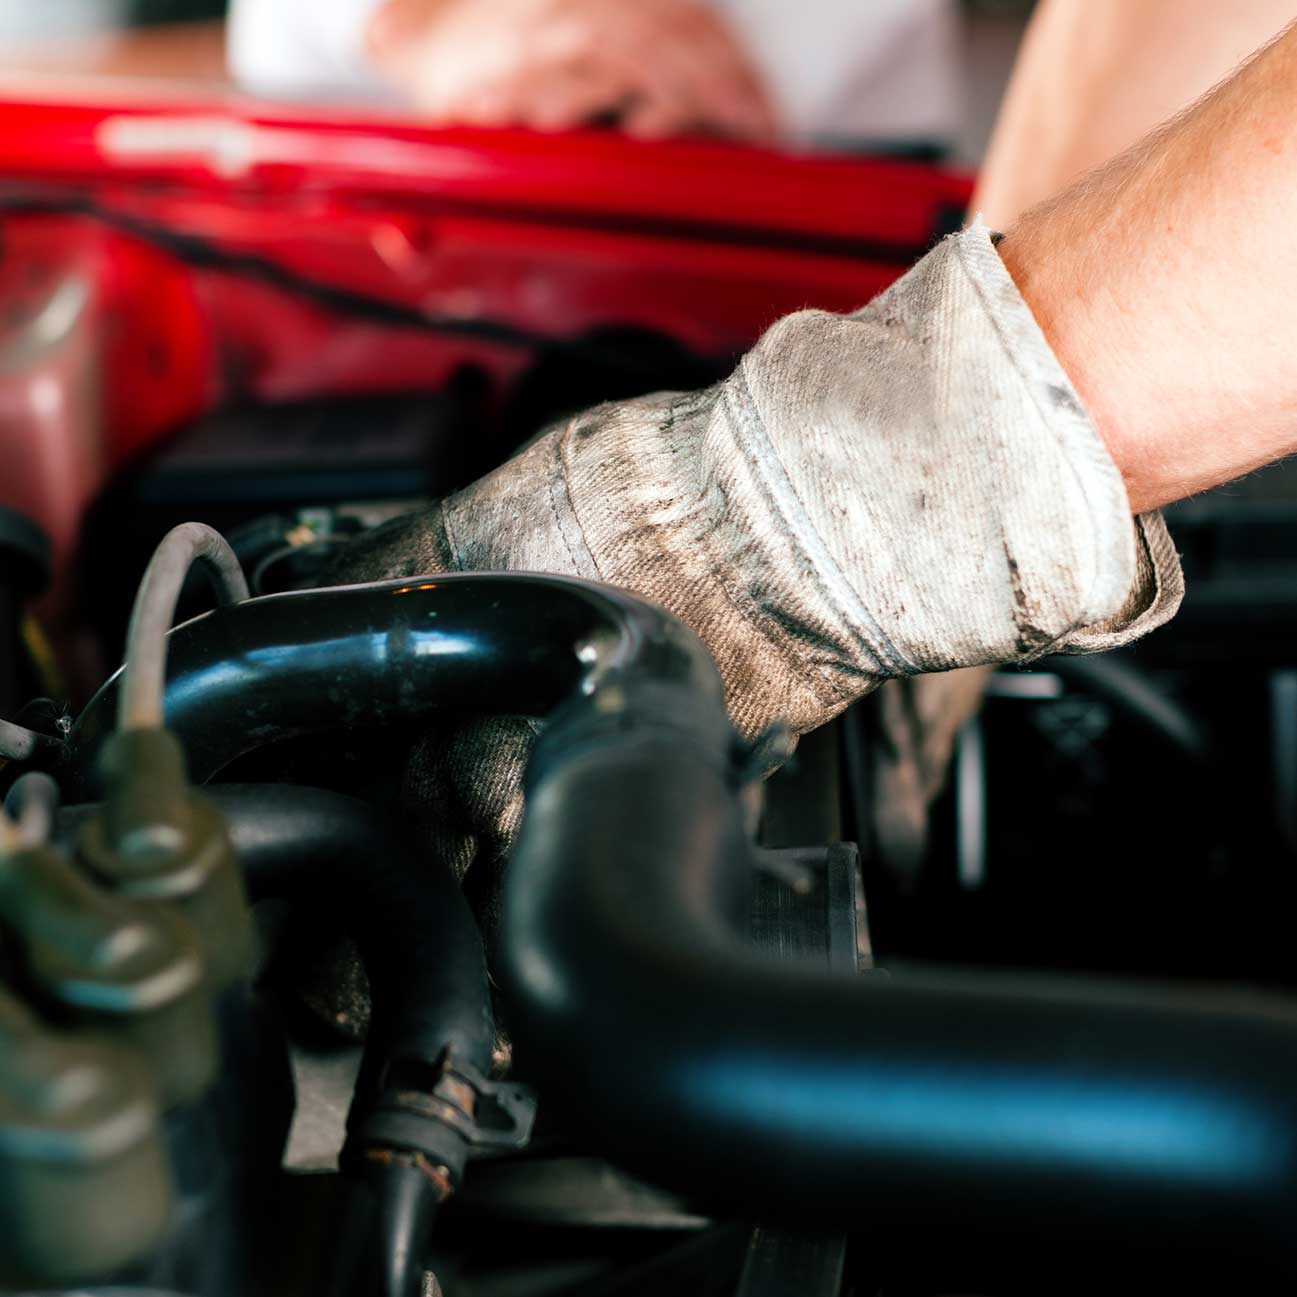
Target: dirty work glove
(909,489)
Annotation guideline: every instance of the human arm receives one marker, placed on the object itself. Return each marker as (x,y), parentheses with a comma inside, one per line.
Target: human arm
(1091,78)
(1094,76)
(920,486)
(1166,284)
(978,515)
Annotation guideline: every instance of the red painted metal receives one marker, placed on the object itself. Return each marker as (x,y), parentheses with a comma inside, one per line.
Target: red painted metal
(562,235)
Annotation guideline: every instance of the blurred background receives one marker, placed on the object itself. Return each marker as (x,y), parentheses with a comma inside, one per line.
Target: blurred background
(926,79)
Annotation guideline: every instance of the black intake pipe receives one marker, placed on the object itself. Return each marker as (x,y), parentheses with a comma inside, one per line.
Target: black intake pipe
(952,1104)
(1012,1112)
(372,656)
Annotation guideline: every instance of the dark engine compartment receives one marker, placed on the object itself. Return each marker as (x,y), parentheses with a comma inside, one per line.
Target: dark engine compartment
(734,1039)
(1130,816)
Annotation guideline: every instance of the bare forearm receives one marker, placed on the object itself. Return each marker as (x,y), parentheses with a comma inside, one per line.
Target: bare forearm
(1094,76)
(1167,285)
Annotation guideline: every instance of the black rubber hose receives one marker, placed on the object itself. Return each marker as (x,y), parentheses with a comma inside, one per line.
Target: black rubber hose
(382,1233)
(415,933)
(428,984)
(977,1106)
(376,655)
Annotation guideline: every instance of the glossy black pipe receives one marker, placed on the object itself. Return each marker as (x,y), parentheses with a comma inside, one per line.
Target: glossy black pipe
(387,653)
(965,1106)
(382,1232)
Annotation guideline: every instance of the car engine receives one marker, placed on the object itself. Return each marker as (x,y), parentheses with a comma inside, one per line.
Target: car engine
(702,1029)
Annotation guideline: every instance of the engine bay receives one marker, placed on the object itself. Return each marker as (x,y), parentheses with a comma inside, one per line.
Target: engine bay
(701,1029)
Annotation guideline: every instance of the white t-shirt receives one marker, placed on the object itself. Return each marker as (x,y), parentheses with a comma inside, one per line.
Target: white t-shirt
(839,71)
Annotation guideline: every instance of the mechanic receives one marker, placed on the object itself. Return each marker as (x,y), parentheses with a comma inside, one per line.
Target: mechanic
(1091,78)
(943,479)
(828,72)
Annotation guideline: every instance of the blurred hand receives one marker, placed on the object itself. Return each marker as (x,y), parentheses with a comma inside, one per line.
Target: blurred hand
(656,67)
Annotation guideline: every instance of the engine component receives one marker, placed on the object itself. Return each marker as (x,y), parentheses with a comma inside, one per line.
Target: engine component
(416,1115)
(135,970)
(108,964)
(640,767)
(153,943)
(1003,1107)
(154,840)
(1123,1116)
(84,1188)
(390,653)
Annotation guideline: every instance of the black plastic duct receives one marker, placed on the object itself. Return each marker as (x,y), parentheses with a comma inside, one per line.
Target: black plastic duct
(371,656)
(1012,1112)
(959,1105)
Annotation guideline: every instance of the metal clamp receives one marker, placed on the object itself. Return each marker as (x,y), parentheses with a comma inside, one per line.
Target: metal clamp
(448,1111)
(490,1116)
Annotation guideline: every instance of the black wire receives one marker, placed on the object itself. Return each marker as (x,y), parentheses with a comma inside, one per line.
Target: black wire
(204,254)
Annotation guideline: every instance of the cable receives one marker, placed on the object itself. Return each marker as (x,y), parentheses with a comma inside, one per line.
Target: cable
(315,549)
(144,674)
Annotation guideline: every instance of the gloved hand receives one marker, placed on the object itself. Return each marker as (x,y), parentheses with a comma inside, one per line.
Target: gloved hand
(659,67)
(909,489)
